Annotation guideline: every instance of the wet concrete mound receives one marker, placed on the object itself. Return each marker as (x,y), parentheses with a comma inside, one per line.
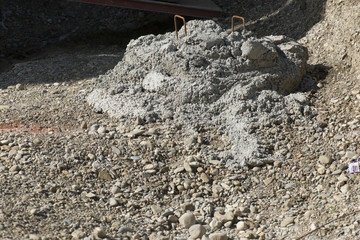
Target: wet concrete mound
(230,80)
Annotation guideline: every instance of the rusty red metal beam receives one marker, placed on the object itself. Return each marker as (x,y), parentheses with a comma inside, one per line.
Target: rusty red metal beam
(194,8)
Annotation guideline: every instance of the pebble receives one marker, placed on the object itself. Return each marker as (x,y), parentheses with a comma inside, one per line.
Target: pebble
(101,130)
(78,234)
(188,207)
(19,87)
(343,178)
(267,181)
(156,209)
(287,221)
(179,170)
(228,216)
(215,224)
(113,202)
(197,231)
(99,232)
(15,168)
(204,177)
(91,195)
(104,175)
(187,220)
(135,133)
(125,229)
(308,214)
(37,141)
(345,189)
(187,167)
(241,226)
(323,159)
(218,236)
(290,185)
(115,189)
(321,170)
(115,150)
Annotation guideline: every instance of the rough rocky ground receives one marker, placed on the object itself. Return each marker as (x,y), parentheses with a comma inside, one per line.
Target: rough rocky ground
(68,172)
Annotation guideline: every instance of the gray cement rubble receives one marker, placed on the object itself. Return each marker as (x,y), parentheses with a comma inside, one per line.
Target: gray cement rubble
(210,77)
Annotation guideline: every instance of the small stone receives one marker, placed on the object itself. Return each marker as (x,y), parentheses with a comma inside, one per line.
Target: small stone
(19,87)
(187,167)
(197,231)
(91,156)
(205,237)
(241,226)
(113,202)
(103,174)
(115,189)
(337,172)
(228,224)
(189,141)
(101,130)
(308,214)
(173,219)
(125,229)
(156,209)
(267,181)
(139,121)
(343,178)
(78,234)
(115,150)
(321,170)
(15,168)
(12,152)
(37,141)
(323,159)
(4,142)
(187,220)
(287,221)
(215,224)
(153,131)
(204,177)
(289,185)
(251,235)
(188,207)
(91,195)
(349,155)
(345,189)
(83,125)
(229,216)
(99,232)
(53,189)
(34,211)
(277,164)
(218,236)
(179,170)
(135,133)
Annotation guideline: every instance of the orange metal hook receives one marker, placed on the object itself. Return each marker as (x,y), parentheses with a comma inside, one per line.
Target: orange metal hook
(176,30)
(232,22)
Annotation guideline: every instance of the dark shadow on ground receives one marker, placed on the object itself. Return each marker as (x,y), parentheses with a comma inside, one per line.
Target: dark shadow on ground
(79,57)
(61,66)
(315,74)
(39,29)
(293,18)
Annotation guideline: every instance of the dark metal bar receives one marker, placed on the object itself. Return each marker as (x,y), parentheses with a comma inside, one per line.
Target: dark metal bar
(194,8)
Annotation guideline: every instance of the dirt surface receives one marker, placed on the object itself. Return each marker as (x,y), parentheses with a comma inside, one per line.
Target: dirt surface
(69,172)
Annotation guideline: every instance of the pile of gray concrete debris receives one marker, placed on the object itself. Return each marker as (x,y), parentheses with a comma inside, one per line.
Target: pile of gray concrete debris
(211,77)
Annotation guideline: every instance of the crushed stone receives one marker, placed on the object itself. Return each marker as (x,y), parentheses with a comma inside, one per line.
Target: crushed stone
(210,77)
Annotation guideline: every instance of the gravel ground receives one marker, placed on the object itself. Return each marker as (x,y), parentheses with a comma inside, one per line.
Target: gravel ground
(70,172)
